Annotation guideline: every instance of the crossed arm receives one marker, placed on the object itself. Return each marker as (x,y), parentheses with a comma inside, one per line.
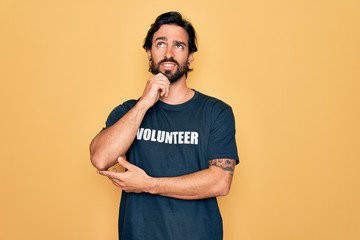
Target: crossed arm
(211,182)
(114,141)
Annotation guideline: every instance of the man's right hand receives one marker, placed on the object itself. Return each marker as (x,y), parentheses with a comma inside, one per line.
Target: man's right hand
(156,87)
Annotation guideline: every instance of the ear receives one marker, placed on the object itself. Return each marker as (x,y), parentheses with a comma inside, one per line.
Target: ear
(149,54)
(191,57)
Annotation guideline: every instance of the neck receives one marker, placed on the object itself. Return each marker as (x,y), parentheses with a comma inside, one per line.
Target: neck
(179,93)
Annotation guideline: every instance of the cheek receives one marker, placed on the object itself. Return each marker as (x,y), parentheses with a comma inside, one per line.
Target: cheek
(158,52)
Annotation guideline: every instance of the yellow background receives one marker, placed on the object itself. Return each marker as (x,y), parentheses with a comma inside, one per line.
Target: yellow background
(289,69)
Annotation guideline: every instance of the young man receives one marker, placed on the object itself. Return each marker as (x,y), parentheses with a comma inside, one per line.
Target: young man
(177,146)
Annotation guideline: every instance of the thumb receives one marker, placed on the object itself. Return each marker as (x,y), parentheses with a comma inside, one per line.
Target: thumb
(122,161)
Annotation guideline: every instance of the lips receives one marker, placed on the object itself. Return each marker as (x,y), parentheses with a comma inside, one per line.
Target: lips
(168,65)
(169,61)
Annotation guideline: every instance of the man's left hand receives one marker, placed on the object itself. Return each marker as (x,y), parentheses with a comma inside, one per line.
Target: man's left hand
(133,180)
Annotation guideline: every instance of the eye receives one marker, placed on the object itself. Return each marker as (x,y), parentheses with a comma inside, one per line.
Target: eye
(179,45)
(160,44)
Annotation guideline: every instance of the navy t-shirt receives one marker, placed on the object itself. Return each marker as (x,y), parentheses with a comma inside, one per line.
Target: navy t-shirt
(174,140)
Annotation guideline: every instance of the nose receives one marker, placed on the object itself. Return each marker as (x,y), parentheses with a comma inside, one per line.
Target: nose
(169,53)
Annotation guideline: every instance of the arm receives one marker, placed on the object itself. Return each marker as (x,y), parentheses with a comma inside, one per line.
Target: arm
(214,181)
(211,182)
(114,141)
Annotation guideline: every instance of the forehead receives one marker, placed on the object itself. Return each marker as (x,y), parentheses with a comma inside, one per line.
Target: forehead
(171,32)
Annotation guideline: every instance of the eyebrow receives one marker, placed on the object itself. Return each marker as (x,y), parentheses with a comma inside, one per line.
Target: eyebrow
(179,42)
(175,41)
(160,38)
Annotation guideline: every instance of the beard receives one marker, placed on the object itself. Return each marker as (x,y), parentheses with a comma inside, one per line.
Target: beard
(173,77)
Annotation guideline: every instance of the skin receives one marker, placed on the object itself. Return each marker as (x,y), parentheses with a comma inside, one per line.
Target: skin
(108,147)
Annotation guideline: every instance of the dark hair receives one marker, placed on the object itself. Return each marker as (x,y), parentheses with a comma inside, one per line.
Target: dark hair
(171,18)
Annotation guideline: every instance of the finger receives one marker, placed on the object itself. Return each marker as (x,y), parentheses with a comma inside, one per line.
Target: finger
(162,91)
(162,77)
(167,89)
(164,88)
(160,85)
(109,174)
(122,161)
(116,182)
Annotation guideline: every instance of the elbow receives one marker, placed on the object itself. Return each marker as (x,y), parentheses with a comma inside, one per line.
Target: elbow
(101,159)
(97,162)
(223,191)
(97,159)
(221,182)
(222,188)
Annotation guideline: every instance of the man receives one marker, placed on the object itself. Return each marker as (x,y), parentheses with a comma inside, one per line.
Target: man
(179,145)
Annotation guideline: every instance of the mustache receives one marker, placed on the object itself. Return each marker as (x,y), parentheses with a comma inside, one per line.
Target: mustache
(169,60)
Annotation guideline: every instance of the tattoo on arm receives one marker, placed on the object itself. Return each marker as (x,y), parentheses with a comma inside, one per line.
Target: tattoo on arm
(224,164)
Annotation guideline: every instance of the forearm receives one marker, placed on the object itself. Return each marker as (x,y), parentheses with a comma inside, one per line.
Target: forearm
(211,182)
(114,141)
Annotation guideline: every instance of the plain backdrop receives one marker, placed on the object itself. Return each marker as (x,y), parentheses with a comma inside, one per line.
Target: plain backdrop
(290,70)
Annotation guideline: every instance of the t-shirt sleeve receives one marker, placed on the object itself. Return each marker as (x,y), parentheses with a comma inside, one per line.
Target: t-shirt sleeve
(222,142)
(118,112)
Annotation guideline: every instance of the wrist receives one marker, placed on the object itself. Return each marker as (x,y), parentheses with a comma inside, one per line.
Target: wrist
(153,185)
(142,104)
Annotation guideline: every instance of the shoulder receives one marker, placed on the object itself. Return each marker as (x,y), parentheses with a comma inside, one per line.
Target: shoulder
(124,107)
(216,105)
(218,112)
(120,111)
